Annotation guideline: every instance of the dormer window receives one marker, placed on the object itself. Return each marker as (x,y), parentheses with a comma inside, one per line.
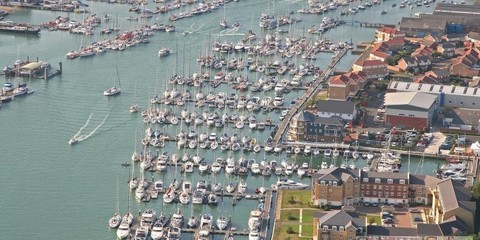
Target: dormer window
(334,183)
(377,180)
(322,182)
(334,228)
(330,183)
(360,230)
(341,228)
(325,227)
(390,181)
(402,181)
(365,179)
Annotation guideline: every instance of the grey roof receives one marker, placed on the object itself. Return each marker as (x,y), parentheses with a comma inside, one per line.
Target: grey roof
(413,99)
(334,174)
(335,120)
(305,116)
(453,226)
(334,106)
(457,8)
(390,231)
(433,88)
(409,60)
(441,72)
(342,218)
(429,230)
(451,193)
(464,116)
(409,23)
(384,176)
(417,179)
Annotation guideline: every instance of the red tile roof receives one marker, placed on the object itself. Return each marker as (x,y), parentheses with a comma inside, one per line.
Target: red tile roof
(370,63)
(390,30)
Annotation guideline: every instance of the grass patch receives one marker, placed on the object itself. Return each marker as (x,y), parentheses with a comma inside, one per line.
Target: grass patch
(307,230)
(372,218)
(289,215)
(296,198)
(282,234)
(307,216)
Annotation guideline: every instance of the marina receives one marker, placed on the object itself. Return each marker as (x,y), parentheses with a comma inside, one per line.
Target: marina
(231,92)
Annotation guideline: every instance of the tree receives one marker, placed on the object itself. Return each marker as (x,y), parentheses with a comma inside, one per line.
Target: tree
(476,192)
(290,230)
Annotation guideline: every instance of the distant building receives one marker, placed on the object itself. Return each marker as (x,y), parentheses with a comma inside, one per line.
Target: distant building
(466,64)
(410,109)
(338,225)
(420,27)
(374,69)
(386,33)
(448,96)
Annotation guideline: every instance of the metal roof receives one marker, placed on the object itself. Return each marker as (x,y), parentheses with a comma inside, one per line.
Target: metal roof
(415,99)
(433,88)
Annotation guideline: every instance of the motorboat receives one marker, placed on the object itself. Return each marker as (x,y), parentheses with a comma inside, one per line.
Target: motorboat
(192,222)
(169,195)
(123,230)
(197,197)
(73,140)
(242,187)
(284,183)
(255,220)
(231,187)
(203,167)
(216,187)
(222,222)
(184,198)
(177,219)
(157,231)
(212,199)
(174,233)
(216,167)
(141,233)
(147,218)
(112,91)
(255,168)
(164,52)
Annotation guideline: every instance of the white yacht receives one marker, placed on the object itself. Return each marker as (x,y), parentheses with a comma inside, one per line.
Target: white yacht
(157,231)
(184,198)
(177,219)
(112,91)
(174,233)
(242,187)
(115,221)
(141,233)
(327,153)
(197,197)
(163,52)
(255,220)
(254,235)
(278,101)
(284,183)
(123,230)
(222,222)
(148,216)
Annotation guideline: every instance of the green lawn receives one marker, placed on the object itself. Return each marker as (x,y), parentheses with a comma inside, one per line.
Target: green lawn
(295,213)
(307,230)
(300,198)
(281,232)
(307,216)
(375,217)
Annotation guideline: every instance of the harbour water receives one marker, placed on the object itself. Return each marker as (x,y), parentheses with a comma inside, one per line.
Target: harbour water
(51,190)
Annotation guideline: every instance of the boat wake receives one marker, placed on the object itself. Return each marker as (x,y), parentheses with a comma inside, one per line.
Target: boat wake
(79,136)
(231,32)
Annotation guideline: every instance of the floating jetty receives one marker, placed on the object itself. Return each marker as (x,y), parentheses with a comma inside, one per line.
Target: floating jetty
(32,69)
(23,28)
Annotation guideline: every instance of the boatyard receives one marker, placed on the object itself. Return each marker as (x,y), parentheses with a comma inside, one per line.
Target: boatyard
(194,122)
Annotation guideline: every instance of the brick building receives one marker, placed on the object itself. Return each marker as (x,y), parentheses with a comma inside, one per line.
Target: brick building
(341,87)
(338,225)
(374,69)
(335,186)
(410,109)
(386,33)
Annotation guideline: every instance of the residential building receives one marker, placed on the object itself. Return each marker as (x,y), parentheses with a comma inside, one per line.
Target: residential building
(335,187)
(440,75)
(384,187)
(473,37)
(338,225)
(408,64)
(419,189)
(446,49)
(341,87)
(307,126)
(410,109)
(450,200)
(386,33)
(374,69)
(426,79)
(448,96)
(465,64)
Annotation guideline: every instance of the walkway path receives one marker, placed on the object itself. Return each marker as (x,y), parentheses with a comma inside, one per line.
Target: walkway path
(307,95)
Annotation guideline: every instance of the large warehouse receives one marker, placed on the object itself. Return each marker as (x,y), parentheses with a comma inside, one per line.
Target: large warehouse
(448,96)
(410,109)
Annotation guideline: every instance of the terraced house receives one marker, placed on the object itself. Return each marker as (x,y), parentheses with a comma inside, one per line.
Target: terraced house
(338,224)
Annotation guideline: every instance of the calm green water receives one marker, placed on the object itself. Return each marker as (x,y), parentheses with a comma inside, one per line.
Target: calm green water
(51,190)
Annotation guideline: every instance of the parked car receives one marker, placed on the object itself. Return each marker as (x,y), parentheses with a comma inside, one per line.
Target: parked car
(413,210)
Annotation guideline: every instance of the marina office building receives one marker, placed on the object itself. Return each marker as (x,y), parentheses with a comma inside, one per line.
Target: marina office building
(446,18)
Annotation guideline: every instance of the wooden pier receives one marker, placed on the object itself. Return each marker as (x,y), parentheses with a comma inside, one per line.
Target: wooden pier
(375,25)
(300,104)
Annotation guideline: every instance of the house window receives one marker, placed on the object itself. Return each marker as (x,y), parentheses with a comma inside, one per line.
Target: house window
(334,183)
(368,192)
(374,186)
(387,188)
(379,187)
(399,194)
(322,182)
(390,180)
(334,228)
(377,180)
(374,193)
(362,187)
(365,179)
(341,228)
(360,230)
(404,188)
(402,181)
(325,228)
